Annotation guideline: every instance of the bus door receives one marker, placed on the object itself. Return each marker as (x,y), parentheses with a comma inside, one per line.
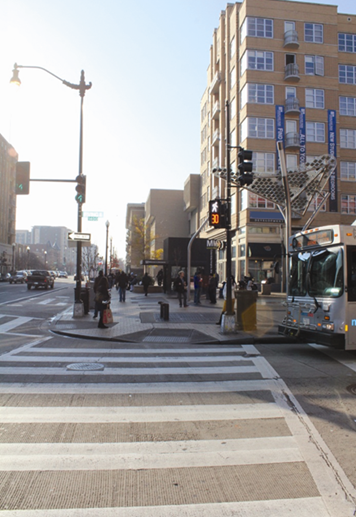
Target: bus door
(350,316)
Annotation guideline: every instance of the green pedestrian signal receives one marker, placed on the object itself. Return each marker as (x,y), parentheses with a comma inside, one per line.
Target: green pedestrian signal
(80,188)
(22,182)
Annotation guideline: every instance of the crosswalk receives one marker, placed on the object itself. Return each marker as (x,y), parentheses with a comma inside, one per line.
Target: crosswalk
(158,430)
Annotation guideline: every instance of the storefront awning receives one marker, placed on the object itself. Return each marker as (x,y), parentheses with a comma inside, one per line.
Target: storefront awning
(259,250)
(266,217)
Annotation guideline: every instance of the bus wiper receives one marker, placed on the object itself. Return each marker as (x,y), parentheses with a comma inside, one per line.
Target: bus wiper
(317,305)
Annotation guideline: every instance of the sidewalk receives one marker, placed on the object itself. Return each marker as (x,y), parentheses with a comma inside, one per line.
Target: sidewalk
(138,320)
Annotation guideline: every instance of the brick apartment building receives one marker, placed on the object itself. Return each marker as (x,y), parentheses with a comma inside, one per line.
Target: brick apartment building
(281,65)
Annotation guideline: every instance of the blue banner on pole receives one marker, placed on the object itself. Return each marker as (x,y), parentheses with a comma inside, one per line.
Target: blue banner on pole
(333,204)
(279,130)
(302,150)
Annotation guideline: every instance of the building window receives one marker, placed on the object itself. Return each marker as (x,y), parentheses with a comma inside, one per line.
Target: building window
(263,162)
(253,127)
(233,140)
(348,138)
(314,65)
(347,74)
(314,98)
(232,47)
(348,171)
(291,92)
(232,78)
(291,162)
(232,108)
(315,132)
(256,201)
(313,32)
(257,60)
(257,94)
(256,27)
(347,42)
(347,106)
(315,203)
(348,204)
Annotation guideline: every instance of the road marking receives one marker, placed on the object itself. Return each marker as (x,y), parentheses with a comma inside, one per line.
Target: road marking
(19,320)
(144,455)
(140,414)
(47,301)
(341,356)
(302,507)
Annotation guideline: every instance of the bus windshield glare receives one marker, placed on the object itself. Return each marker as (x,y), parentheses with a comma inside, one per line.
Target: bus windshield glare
(317,273)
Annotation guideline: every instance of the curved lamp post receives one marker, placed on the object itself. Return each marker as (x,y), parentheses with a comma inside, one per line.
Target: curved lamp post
(81,87)
(28,257)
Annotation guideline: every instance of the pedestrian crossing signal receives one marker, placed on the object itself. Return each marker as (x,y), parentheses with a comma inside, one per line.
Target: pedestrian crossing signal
(22,183)
(217,213)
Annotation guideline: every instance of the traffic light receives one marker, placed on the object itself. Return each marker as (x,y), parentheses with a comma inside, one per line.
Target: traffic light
(217,213)
(245,167)
(22,183)
(80,188)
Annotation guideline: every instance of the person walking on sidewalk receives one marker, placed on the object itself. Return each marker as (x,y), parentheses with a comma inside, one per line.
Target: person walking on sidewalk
(197,287)
(146,282)
(181,288)
(122,281)
(233,286)
(101,296)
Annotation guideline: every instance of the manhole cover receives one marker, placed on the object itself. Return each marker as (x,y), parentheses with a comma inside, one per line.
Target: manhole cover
(85,366)
(352,389)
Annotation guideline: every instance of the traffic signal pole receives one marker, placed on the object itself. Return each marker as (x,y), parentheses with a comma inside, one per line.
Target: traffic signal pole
(229,304)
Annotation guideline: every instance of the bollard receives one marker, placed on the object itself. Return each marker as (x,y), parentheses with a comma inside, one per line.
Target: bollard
(246,302)
(164,311)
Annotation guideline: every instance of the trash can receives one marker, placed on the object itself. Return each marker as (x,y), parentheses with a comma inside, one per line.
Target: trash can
(84,296)
(265,288)
(164,311)
(246,310)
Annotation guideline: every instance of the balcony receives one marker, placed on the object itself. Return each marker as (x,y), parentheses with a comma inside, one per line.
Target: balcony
(216,110)
(291,39)
(292,141)
(215,83)
(216,137)
(292,106)
(291,73)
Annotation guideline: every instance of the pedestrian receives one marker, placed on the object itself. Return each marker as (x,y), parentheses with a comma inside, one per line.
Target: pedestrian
(181,287)
(233,286)
(197,287)
(122,283)
(101,295)
(212,289)
(146,282)
(160,277)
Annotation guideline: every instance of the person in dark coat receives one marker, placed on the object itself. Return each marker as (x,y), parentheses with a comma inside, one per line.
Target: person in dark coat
(212,289)
(101,296)
(123,280)
(181,287)
(146,282)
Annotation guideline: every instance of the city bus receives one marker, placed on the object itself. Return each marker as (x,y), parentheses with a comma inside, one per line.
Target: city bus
(321,298)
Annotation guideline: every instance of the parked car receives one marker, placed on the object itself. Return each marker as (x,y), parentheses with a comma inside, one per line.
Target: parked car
(62,274)
(40,278)
(18,278)
(5,277)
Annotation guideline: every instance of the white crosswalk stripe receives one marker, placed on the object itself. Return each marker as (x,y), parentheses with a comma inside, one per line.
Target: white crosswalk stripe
(189,431)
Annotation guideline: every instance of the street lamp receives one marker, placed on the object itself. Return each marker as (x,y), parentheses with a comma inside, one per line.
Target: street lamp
(107,224)
(28,257)
(45,258)
(82,87)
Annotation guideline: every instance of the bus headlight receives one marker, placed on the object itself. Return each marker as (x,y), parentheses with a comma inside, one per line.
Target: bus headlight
(328,326)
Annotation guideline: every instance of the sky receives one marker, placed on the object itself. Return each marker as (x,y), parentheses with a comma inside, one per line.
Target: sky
(147,62)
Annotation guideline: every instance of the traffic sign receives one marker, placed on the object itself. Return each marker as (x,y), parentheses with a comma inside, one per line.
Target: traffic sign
(92,218)
(81,237)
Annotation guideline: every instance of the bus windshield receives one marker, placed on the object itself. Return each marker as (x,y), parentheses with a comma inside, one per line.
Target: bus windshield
(317,273)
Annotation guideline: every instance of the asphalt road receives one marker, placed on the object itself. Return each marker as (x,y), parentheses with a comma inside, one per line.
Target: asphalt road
(169,401)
